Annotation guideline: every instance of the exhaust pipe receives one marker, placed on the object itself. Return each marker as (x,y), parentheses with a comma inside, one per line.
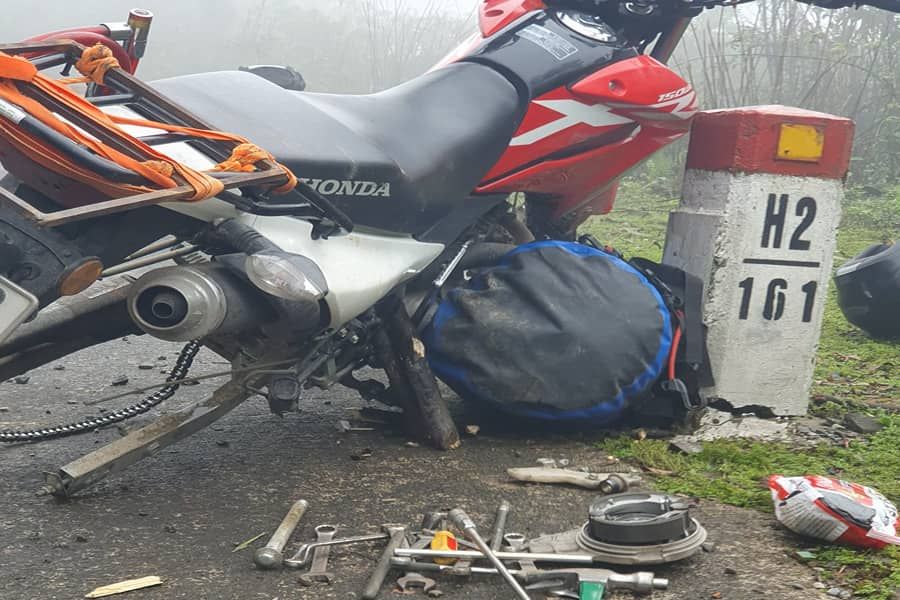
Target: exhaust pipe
(184,303)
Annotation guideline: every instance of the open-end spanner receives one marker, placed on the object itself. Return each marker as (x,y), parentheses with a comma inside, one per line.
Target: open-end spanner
(318,572)
(415,581)
(412,580)
(516,543)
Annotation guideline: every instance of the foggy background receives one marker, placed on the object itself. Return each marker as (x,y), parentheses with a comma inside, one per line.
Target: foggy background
(773,51)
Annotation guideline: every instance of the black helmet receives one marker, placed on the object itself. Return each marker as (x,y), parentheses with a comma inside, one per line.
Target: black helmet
(868,289)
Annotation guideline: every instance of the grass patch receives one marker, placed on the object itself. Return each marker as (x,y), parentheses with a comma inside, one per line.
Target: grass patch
(852,370)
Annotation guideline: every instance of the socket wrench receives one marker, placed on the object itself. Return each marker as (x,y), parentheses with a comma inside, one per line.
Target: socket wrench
(467,526)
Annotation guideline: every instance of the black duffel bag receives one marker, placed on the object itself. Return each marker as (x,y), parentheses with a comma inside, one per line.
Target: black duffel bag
(554,330)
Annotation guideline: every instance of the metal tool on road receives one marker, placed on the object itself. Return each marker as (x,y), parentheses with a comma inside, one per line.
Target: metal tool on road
(432,520)
(467,525)
(271,556)
(569,559)
(318,572)
(608,483)
(415,581)
(500,525)
(516,543)
(304,554)
(404,563)
(640,583)
(462,567)
(638,529)
(561,579)
(397,534)
(412,579)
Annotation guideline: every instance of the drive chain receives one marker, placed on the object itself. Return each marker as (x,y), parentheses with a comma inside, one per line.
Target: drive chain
(179,372)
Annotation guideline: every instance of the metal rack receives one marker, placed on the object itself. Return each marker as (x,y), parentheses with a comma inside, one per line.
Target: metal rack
(126,90)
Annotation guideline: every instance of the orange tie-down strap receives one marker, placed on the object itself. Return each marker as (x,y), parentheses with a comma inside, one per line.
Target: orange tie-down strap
(158,169)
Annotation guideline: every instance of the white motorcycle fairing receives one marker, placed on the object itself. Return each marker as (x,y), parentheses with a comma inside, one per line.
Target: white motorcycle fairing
(360,268)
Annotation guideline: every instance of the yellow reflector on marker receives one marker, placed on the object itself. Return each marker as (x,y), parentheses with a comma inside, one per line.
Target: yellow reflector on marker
(801,142)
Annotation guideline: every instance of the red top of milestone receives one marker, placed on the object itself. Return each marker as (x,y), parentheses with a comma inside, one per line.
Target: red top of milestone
(746,140)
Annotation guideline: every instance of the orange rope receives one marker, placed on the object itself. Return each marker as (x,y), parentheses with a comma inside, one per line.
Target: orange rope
(244,158)
(93,65)
(159,169)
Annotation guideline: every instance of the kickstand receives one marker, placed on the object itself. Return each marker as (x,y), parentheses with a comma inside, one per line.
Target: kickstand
(146,441)
(402,355)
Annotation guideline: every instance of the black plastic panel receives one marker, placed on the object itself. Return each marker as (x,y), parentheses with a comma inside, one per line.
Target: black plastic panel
(541,69)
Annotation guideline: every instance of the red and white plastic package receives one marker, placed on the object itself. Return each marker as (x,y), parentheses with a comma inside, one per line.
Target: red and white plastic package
(835,511)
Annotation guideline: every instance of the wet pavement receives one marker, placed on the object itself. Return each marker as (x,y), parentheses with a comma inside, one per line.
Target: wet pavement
(179,514)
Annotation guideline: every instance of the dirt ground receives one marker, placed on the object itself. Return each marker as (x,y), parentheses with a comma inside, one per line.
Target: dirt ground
(179,514)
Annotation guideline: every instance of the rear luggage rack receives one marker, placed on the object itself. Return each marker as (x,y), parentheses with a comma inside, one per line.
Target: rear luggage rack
(125,93)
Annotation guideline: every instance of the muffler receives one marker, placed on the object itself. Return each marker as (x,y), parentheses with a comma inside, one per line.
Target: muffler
(192,302)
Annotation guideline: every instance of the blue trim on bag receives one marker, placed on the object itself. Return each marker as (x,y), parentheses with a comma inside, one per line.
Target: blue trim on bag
(604,412)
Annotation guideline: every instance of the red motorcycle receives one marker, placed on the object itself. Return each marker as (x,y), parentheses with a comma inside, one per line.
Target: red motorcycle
(400,195)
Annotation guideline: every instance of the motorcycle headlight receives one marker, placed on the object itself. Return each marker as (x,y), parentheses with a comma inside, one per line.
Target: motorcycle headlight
(287,276)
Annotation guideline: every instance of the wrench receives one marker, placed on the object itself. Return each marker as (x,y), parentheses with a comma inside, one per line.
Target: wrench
(415,581)
(467,526)
(463,567)
(305,552)
(516,543)
(318,571)
(412,580)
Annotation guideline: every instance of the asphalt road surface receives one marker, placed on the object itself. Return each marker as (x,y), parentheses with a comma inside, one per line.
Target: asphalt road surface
(179,514)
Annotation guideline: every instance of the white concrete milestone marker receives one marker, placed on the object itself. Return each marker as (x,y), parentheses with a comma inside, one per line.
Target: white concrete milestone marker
(757,222)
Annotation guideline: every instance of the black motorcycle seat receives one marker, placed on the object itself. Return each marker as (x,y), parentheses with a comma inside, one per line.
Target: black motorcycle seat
(424,145)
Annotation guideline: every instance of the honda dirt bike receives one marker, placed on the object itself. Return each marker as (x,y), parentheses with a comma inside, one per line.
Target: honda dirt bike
(400,193)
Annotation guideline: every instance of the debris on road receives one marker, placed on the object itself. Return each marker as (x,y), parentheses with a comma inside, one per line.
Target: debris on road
(862,423)
(835,511)
(717,424)
(344,426)
(685,445)
(125,586)
(245,544)
(362,454)
(608,483)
